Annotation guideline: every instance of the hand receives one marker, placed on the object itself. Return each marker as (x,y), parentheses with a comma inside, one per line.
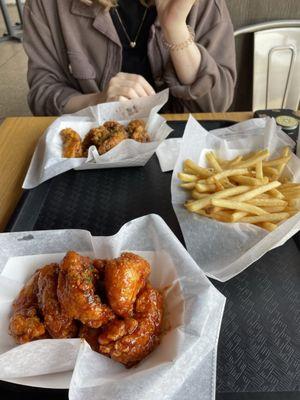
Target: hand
(173,12)
(127,87)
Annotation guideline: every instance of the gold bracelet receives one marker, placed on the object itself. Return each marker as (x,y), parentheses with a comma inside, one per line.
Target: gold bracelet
(182,45)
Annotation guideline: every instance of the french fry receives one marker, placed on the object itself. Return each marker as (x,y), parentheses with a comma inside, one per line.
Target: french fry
(271,172)
(269,226)
(268,202)
(218,216)
(235,217)
(189,171)
(234,162)
(205,172)
(277,162)
(196,195)
(254,192)
(253,160)
(206,201)
(226,174)
(248,180)
(188,186)
(187,177)
(205,187)
(276,193)
(266,218)
(277,209)
(236,205)
(213,161)
(259,170)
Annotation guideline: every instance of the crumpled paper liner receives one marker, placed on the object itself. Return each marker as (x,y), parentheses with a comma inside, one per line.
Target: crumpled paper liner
(182,366)
(223,250)
(47,160)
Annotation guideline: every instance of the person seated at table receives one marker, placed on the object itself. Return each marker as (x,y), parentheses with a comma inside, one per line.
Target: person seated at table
(85,52)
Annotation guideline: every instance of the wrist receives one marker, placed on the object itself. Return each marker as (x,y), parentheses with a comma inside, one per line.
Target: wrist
(176,33)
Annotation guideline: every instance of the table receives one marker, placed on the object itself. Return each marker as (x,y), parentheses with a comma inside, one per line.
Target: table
(249,318)
(18,139)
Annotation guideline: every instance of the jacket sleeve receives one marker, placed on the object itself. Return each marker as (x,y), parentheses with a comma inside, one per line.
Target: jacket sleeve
(49,86)
(213,88)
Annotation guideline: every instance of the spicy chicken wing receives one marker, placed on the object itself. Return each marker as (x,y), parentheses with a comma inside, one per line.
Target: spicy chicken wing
(58,324)
(131,348)
(90,335)
(25,323)
(137,131)
(124,278)
(71,143)
(76,291)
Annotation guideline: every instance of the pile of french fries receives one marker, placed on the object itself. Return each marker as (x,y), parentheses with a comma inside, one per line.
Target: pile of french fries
(248,188)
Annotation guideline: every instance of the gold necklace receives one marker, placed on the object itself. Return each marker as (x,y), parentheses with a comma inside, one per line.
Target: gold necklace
(132,43)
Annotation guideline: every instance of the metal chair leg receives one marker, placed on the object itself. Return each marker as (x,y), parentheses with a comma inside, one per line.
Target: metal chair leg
(20,10)
(11,30)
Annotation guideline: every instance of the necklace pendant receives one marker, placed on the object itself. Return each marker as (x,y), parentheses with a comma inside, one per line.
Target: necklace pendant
(132,45)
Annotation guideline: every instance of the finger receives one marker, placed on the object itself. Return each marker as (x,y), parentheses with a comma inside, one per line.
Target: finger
(138,79)
(145,85)
(141,92)
(122,98)
(122,90)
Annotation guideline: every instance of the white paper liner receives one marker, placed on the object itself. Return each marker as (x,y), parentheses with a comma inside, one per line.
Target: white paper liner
(223,250)
(184,364)
(167,153)
(47,160)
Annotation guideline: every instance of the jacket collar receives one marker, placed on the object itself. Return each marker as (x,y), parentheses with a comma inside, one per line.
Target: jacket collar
(102,19)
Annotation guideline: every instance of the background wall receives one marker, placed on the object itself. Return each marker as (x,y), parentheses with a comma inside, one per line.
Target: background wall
(248,12)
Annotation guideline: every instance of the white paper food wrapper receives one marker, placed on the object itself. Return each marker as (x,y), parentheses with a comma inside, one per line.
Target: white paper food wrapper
(167,153)
(47,160)
(223,250)
(183,365)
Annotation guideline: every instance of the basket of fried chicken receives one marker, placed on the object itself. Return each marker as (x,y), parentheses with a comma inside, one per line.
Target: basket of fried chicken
(111,135)
(110,317)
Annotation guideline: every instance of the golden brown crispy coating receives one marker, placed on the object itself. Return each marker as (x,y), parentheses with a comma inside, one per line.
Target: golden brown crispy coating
(124,278)
(112,142)
(71,143)
(25,323)
(58,324)
(132,348)
(76,291)
(115,127)
(137,131)
(95,137)
(90,335)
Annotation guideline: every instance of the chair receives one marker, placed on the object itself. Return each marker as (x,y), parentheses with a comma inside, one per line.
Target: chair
(276,70)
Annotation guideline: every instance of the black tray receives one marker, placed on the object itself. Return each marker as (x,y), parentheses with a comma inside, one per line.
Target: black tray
(259,354)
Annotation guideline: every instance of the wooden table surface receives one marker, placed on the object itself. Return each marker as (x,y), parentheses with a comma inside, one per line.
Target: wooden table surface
(18,139)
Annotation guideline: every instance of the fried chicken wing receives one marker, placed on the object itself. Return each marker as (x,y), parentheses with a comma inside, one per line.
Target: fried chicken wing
(117,329)
(137,131)
(124,278)
(71,143)
(58,324)
(95,137)
(133,347)
(117,133)
(76,291)
(115,127)
(25,323)
(90,335)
